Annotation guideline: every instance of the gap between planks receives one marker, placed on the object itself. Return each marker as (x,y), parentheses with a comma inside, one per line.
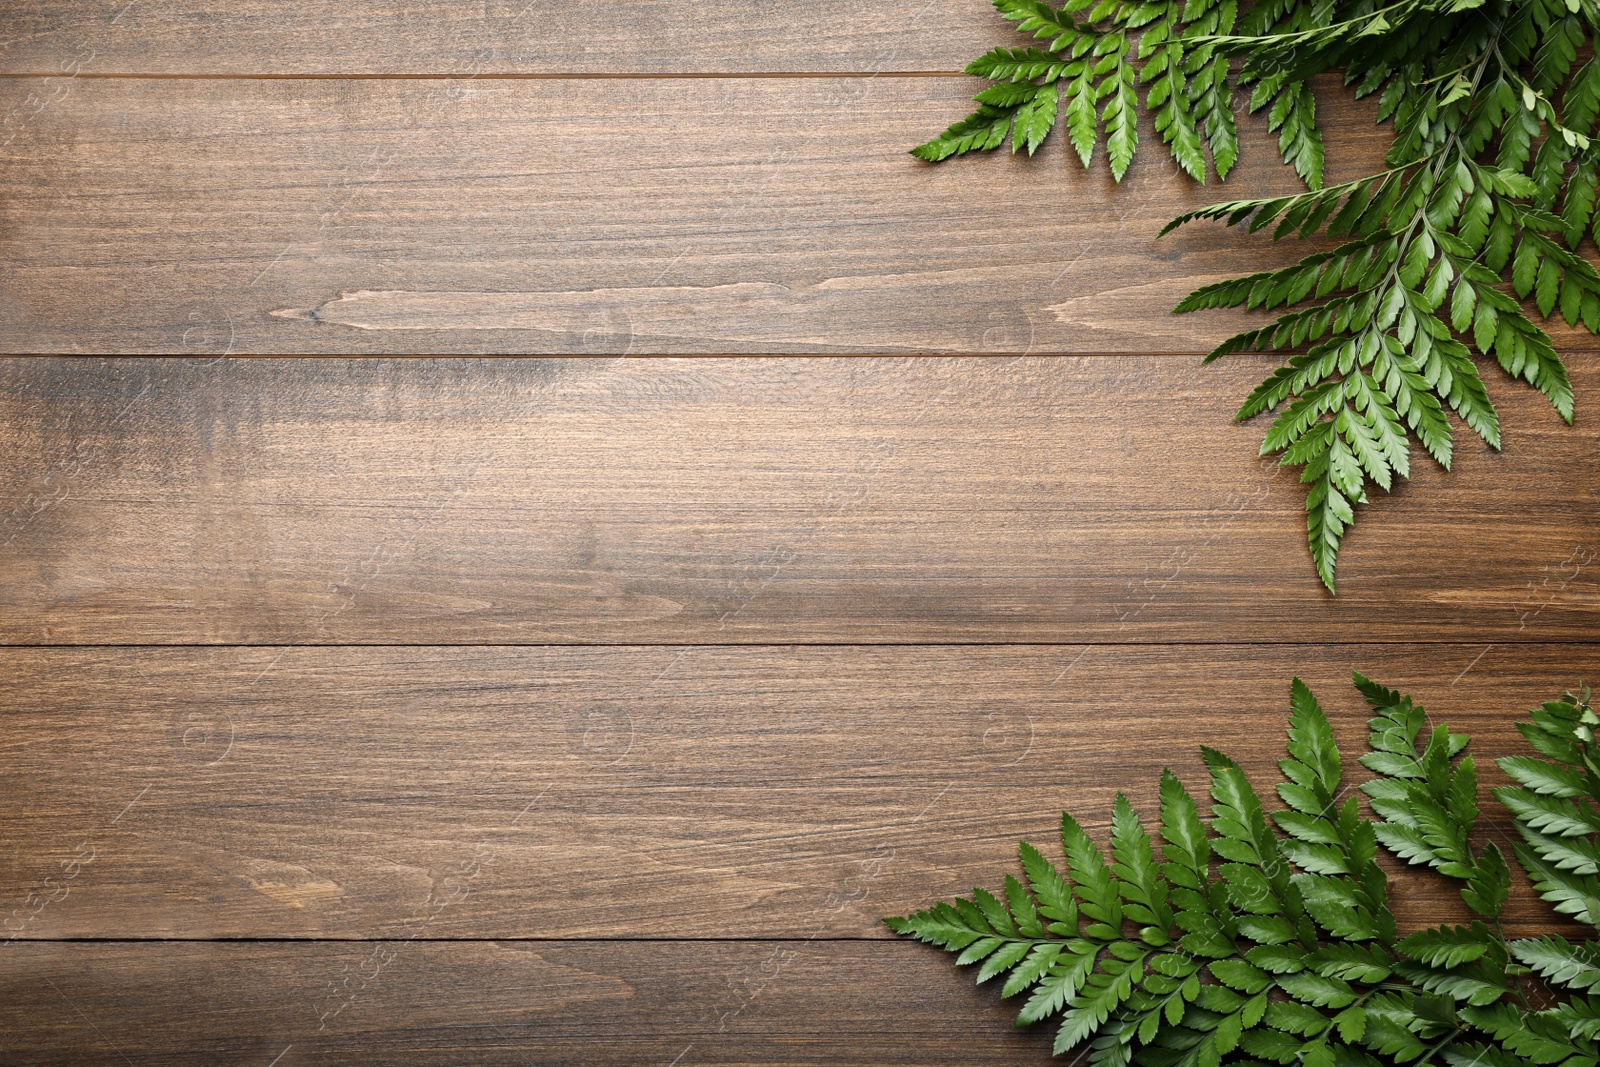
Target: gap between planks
(770,645)
(542,76)
(1578,348)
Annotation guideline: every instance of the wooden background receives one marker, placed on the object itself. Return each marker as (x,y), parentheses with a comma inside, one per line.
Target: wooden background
(593,708)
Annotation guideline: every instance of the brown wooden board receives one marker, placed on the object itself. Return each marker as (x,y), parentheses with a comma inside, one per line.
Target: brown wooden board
(594,217)
(514,1004)
(594,710)
(408,793)
(744,501)
(468,38)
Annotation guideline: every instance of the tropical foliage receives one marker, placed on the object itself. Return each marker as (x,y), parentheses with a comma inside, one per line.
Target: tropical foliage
(1255,937)
(1490,183)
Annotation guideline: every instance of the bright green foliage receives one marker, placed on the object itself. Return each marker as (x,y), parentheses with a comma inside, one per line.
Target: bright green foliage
(1491,181)
(1096,57)
(1257,937)
(1554,804)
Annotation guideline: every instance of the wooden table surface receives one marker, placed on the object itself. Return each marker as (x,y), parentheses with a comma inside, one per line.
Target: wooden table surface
(592,708)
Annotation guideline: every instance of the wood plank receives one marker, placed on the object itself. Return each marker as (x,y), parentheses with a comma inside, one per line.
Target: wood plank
(709,792)
(679,1003)
(715,501)
(468,38)
(592,217)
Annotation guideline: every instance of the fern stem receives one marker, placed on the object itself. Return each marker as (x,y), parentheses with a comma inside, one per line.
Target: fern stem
(1270,39)
(1512,982)
(1438,1046)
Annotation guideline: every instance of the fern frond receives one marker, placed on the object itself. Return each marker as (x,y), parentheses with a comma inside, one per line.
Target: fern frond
(1490,187)
(1285,948)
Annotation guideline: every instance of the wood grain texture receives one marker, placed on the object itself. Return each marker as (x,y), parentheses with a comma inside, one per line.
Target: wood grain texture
(659,729)
(641,792)
(744,501)
(467,38)
(516,1004)
(593,217)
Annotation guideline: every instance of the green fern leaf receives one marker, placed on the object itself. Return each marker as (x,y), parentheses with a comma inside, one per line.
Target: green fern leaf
(1448,946)
(1492,178)
(1094,883)
(1056,901)
(984,129)
(1557,960)
(1290,954)
(1143,890)
(1060,983)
